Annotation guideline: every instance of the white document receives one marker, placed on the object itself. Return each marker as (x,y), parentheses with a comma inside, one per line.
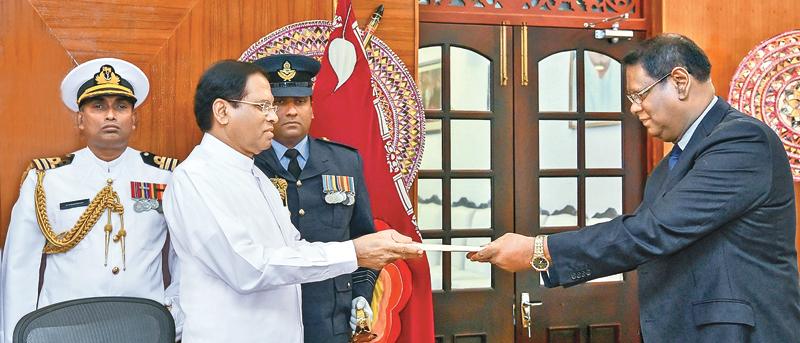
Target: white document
(447,247)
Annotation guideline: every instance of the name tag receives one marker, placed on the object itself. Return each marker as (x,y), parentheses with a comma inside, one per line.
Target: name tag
(73,204)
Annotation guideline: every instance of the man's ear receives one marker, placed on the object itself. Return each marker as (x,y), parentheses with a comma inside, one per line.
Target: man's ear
(219,109)
(79,120)
(682,81)
(135,119)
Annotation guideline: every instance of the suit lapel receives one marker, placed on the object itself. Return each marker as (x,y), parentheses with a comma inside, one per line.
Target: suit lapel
(655,182)
(317,160)
(686,162)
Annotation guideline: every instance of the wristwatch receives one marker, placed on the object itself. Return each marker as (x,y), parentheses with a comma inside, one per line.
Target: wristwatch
(539,262)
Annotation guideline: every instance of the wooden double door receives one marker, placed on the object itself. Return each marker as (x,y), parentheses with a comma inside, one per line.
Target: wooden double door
(527,131)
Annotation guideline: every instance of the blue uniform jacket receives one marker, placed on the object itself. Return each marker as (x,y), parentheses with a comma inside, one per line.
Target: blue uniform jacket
(326,304)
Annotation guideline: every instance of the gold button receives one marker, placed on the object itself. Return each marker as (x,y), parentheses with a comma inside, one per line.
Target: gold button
(115,270)
(299,183)
(301,212)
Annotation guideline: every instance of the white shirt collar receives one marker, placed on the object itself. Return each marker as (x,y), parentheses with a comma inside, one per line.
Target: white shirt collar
(224,153)
(107,165)
(687,136)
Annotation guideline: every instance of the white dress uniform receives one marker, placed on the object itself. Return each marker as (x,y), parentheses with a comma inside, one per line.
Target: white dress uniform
(242,260)
(81,272)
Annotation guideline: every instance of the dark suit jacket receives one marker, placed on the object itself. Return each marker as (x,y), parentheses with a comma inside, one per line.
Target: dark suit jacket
(713,240)
(326,304)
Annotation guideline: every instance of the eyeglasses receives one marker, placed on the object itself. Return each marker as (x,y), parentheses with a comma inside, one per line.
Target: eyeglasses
(265,107)
(639,96)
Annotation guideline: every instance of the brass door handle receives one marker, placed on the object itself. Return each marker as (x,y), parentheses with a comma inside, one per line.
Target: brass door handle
(524,48)
(503,54)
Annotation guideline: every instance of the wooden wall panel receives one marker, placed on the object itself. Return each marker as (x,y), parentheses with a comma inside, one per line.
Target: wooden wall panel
(727,31)
(398,27)
(172,41)
(34,122)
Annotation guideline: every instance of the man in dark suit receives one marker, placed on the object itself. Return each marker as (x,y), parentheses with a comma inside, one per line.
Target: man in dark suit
(713,239)
(326,195)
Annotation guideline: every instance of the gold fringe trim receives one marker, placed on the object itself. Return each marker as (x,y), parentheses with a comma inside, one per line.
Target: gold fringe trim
(281,185)
(106,199)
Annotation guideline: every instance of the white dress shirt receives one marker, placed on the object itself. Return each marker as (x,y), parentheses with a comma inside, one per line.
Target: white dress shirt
(80,272)
(242,260)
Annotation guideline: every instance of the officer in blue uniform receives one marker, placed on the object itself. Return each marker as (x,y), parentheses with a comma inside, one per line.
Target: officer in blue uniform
(325,193)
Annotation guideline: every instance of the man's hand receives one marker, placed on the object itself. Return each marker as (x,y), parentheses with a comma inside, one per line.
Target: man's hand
(511,252)
(381,248)
(359,303)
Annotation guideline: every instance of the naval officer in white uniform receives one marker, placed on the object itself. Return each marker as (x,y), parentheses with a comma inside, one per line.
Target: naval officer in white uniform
(100,225)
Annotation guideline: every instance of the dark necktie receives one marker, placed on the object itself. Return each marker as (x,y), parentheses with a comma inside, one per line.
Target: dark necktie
(294,166)
(674,155)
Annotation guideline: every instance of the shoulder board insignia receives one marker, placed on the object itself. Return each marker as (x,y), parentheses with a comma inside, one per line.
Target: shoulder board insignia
(51,162)
(47,163)
(161,162)
(328,141)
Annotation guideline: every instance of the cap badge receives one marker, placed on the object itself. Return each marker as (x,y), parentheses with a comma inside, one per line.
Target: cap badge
(107,75)
(287,73)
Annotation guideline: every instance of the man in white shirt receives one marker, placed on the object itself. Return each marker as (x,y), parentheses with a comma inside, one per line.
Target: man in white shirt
(242,259)
(76,217)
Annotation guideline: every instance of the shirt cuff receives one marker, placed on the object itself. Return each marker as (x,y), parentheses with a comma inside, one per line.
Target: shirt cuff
(342,253)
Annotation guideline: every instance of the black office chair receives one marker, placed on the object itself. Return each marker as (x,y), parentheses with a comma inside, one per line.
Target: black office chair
(98,320)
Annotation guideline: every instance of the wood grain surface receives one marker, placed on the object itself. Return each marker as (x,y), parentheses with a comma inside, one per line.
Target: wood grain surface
(172,41)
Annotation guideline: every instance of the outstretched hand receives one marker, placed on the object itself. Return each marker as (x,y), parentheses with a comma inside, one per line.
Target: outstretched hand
(511,252)
(381,248)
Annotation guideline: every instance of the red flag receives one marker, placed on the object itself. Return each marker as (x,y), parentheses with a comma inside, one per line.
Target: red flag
(345,111)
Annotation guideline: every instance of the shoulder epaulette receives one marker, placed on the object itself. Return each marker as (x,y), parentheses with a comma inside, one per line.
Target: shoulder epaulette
(161,162)
(327,140)
(51,162)
(47,163)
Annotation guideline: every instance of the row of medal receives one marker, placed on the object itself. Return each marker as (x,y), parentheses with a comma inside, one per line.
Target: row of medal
(147,196)
(339,189)
(142,205)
